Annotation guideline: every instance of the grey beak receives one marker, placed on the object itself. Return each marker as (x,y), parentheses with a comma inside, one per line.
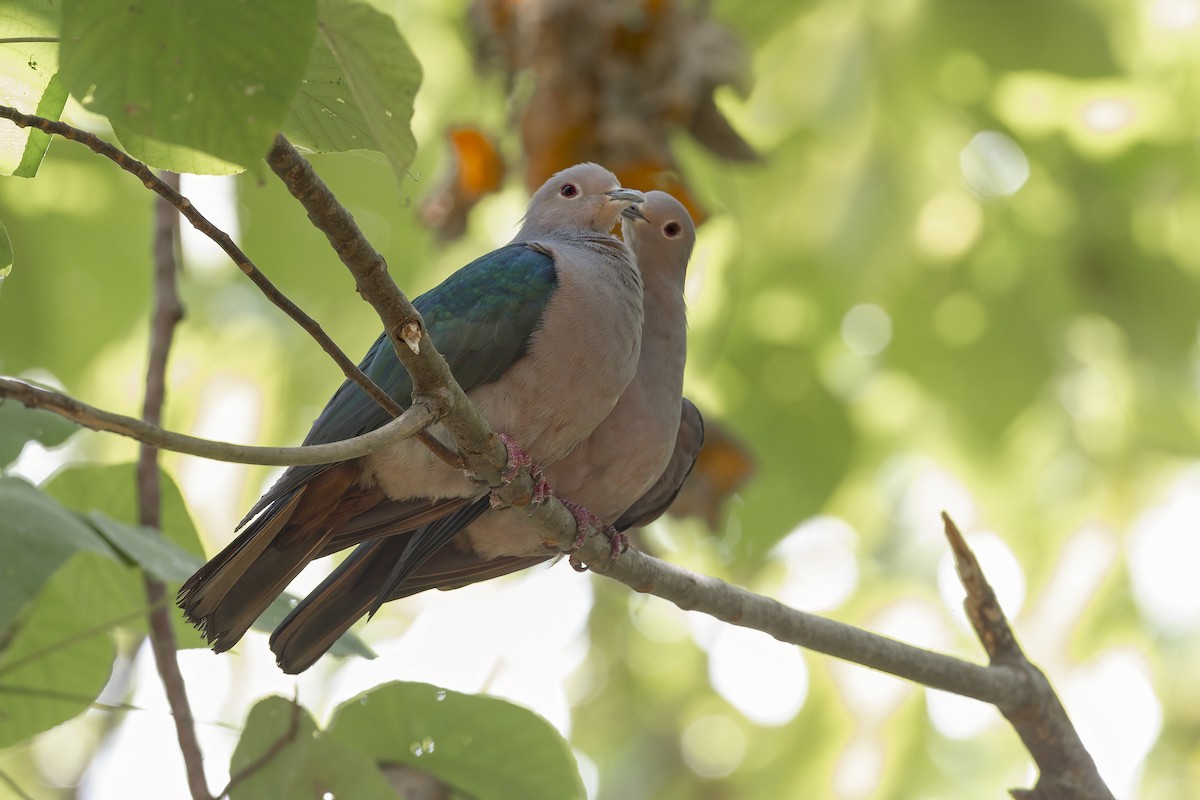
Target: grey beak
(627,195)
(633,212)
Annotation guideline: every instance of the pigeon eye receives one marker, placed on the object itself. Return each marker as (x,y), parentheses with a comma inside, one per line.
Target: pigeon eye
(672,229)
(569,190)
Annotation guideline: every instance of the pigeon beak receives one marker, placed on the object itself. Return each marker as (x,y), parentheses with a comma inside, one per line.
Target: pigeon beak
(633,212)
(627,195)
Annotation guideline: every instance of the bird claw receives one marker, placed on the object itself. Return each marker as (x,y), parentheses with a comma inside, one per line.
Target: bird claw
(518,458)
(588,523)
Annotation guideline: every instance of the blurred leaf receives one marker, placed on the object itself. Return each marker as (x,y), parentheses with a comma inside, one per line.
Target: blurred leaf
(195,75)
(381,71)
(28,81)
(175,157)
(476,169)
(326,118)
(1025,34)
(305,765)
(111,491)
(107,495)
(59,657)
(482,747)
(54,98)
(36,536)
(19,425)
(146,548)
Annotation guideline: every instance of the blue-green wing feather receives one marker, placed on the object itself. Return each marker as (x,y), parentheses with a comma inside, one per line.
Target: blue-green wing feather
(480,319)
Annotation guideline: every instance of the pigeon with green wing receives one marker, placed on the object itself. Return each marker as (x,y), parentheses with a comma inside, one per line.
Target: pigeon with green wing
(543,334)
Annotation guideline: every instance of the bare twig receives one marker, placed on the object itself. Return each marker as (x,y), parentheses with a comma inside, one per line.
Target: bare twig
(1066,769)
(203,225)
(408,424)
(268,755)
(168,311)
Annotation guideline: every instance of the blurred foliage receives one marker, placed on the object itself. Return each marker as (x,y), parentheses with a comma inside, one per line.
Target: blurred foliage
(895,315)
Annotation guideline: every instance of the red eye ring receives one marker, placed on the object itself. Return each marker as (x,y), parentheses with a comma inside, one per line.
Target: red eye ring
(672,229)
(568,190)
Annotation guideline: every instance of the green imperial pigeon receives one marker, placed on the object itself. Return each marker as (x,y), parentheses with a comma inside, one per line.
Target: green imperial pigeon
(629,469)
(543,334)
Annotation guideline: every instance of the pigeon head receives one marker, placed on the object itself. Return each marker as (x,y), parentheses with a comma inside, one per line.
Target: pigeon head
(661,232)
(585,197)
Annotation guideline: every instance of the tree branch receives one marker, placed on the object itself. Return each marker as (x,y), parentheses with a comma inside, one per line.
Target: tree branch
(168,311)
(203,225)
(1066,769)
(410,423)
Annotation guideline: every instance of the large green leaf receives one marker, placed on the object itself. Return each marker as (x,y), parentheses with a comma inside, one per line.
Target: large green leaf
(482,747)
(58,658)
(36,536)
(217,77)
(19,425)
(326,117)
(147,548)
(28,80)
(107,496)
(382,73)
(309,766)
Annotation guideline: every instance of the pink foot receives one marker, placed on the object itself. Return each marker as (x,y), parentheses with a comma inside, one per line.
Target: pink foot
(588,523)
(518,458)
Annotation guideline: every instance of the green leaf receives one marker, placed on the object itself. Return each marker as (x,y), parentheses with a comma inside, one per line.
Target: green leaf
(36,536)
(28,81)
(381,71)
(107,495)
(482,747)
(147,548)
(218,77)
(307,766)
(19,425)
(1025,35)
(54,99)
(56,662)
(175,157)
(326,118)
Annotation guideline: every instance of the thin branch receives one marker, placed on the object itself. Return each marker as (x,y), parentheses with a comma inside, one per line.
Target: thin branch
(168,311)
(16,787)
(1066,769)
(410,423)
(29,39)
(482,452)
(203,225)
(268,755)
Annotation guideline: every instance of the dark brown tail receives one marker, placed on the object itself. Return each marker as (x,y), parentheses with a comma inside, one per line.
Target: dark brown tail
(228,593)
(378,571)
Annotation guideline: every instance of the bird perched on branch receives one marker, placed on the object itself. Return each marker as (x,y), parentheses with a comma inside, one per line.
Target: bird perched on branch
(543,334)
(627,471)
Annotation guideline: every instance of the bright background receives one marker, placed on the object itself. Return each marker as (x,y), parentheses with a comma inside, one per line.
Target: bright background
(966,276)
